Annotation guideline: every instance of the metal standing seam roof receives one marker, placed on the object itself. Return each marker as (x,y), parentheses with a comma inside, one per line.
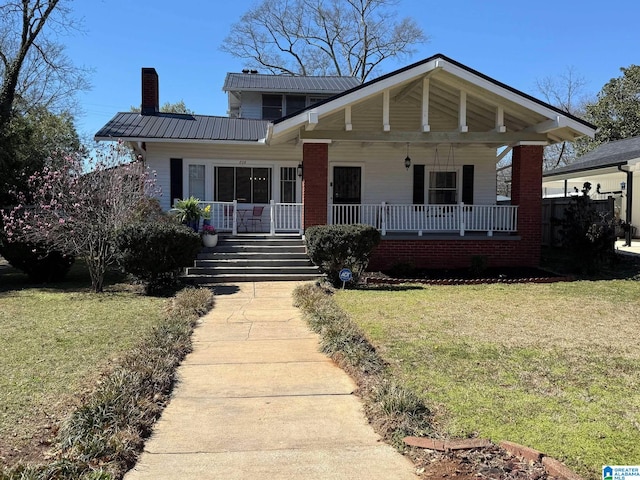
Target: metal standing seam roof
(606,155)
(172,126)
(288,83)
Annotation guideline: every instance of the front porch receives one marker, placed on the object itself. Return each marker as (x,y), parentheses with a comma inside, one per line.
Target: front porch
(410,219)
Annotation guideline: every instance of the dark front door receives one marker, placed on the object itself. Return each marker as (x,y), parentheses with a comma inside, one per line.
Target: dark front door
(347,191)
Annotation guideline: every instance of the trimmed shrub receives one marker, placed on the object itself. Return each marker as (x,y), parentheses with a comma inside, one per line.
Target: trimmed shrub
(157,252)
(40,263)
(587,236)
(334,247)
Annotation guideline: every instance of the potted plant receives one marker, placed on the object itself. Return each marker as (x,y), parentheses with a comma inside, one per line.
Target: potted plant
(209,235)
(189,211)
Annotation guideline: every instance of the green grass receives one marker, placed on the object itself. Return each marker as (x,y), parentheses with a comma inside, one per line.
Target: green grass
(552,366)
(56,340)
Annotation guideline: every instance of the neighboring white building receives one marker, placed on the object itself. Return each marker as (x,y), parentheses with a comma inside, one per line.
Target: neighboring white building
(613,169)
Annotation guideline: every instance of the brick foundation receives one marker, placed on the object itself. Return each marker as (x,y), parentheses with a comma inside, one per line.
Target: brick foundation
(438,253)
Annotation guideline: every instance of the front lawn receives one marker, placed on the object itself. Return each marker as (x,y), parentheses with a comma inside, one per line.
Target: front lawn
(56,340)
(552,366)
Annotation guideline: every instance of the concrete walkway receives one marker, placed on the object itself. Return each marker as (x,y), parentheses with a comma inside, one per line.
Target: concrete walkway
(257,400)
(634,249)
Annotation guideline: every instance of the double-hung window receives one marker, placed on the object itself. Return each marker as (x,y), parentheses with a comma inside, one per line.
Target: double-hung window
(197,181)
(443,188)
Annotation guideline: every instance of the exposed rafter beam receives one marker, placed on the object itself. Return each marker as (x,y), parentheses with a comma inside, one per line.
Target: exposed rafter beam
(462,113)
(312,121)
(503,154)
(548,125)
(425,105)
(348,126)
(407,89)
(386,126)
(500,127)
(426,137)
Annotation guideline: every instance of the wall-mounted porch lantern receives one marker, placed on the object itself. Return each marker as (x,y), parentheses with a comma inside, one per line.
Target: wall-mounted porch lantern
(300,170)
(623,185)
(407,160)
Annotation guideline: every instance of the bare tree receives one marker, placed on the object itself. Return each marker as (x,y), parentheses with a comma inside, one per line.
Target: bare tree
(34,69)
(322,37)
(566,92)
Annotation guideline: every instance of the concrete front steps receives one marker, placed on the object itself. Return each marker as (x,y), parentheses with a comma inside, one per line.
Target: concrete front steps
(253,258)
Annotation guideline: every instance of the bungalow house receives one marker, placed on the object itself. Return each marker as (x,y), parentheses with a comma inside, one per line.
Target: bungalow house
(611,169)
(412,153)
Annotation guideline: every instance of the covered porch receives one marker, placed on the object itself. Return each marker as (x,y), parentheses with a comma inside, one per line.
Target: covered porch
(414,219)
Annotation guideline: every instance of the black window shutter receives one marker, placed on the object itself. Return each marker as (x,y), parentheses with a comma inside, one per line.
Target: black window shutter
(467,184)
(175,179)
(418,184)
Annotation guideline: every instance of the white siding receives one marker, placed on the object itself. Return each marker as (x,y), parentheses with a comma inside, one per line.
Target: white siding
(251,105)
(159,155)
(385,177)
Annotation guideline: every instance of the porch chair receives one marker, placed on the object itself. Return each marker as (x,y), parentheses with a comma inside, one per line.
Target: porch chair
(256,217)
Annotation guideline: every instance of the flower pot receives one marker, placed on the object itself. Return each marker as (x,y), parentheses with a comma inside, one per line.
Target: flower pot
(193,224)
(210,240)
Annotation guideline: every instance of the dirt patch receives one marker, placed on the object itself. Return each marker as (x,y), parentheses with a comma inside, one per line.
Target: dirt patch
(16,450)
(491,462)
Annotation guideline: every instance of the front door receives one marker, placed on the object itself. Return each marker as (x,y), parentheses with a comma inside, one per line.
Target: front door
(347,193)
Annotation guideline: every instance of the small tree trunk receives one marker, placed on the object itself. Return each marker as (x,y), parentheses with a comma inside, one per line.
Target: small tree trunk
(97,265)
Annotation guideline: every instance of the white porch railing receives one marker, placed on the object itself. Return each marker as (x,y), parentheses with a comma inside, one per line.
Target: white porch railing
(280,217)
(429,218)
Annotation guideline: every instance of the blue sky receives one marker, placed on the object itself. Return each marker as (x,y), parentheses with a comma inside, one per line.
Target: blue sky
(515,42)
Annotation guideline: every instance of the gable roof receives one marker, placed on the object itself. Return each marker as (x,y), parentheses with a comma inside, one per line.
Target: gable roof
(540,116)
(173,126)
(609,154)
(526,119)
(259,82)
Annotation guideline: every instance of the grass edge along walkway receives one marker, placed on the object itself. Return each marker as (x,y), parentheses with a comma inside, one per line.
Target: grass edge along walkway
(102,439)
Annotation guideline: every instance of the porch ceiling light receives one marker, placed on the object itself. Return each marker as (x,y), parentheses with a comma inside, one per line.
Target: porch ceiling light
(407,160)
(300,169)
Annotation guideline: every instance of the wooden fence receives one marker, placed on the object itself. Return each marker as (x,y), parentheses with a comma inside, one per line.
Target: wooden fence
(553,213)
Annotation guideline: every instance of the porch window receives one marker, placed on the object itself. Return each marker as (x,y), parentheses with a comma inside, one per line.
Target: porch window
(288,185)
(271,107)
(244,184)
(196,181)
(443,188)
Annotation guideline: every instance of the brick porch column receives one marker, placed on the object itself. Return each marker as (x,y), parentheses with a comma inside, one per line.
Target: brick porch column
(315,161)
(526,192)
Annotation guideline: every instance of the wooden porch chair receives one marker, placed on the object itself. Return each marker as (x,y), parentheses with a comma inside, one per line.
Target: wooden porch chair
(256,218)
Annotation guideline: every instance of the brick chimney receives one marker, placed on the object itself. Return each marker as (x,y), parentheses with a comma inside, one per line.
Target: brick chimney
(150,92)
